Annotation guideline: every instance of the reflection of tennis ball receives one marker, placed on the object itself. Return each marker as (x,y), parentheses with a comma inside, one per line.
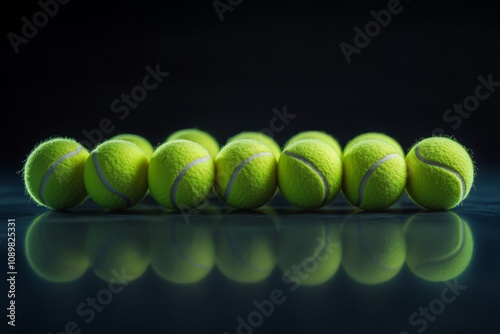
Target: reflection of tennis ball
(440,173)
(374,175)
(320,135)
(373,251)
(181,174)
(263,138)
(116,174)
(182,253)
(55,248)
(53,173)
(440,245)
(246,252)
(142,142)
(309,252)
(118,248)
(198,136)
(374,135)
(245,174)
(309,173)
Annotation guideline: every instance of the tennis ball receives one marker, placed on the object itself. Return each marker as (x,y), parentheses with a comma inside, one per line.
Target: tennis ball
(320,135)
(374,135)
(117,249)
(142,142)
(440,245)
(181,174)
(246,252)
(53,173)
(182,253)
(198,136)
(259,136)
(440,173)
(116,174)
(55,249)
(245,175)
(309,173)
(373,251)
(309,251)
(374,175)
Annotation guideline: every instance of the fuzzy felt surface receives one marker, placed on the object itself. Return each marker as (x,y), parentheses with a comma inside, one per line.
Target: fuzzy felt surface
(116,174)
(440,173)
(181,174)
(374,175)
(140,141)
(198,136)
(320,135)
(53,173)
(374,135)
(246,174)
(263,138)
(309,173)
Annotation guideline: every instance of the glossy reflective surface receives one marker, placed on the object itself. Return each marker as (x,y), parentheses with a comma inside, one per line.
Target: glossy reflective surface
(273,270)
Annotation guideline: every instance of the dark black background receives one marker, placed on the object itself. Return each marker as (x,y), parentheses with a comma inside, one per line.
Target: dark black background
(226,77)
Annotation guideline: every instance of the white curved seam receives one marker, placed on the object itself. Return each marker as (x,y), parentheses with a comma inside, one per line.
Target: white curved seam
(438,164)
(238,170)
(173,192)
(315,170)
(369,173)
(107,184)
(52,168)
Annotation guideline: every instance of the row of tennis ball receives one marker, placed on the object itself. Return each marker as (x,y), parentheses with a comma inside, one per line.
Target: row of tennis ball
(372,171)
(435,246)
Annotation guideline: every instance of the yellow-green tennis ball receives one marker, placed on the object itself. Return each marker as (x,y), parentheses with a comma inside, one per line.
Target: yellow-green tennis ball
(374,175)
(309,173)
(53,173)
(309,253)
(181,174)
(246,253)
(55,248)
(440,173)
(118,249)
(262,137)
(140,141)
(116,174)
(245,176)
(198,136)
(373,251)
(320,135)
(440,245)
(374,135)
(182,253)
